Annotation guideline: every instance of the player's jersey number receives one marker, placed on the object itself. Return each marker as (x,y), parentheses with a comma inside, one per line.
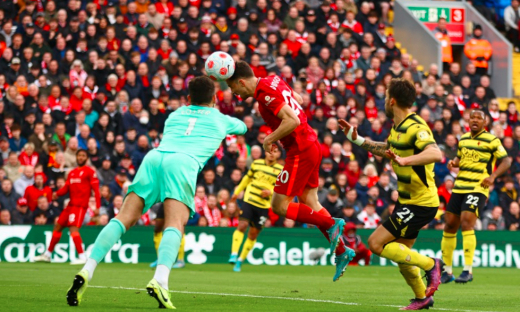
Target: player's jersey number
(283,176)
(191,125)
(287,96)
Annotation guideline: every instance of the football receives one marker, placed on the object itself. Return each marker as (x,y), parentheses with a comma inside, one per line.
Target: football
(220,66)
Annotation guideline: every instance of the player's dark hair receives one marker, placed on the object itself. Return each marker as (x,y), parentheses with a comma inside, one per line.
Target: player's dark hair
(202,90)
(82,151)
(402,91)
(242,71)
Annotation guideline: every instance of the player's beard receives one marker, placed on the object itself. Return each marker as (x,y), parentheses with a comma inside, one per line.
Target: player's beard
(388,111)
(81,164)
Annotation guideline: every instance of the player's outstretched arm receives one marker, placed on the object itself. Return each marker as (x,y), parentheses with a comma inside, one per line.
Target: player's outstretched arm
(376,148)
(289,122)
(431,154)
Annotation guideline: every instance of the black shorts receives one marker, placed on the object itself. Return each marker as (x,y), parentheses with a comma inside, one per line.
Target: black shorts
(254,215)
(407,220)
(472,202)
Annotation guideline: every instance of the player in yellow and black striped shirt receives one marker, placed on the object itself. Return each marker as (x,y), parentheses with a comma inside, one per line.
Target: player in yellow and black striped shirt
(413,152)
(258,184)
(477,154)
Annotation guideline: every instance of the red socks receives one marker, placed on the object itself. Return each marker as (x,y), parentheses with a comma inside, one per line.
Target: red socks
(341,246)
(304,214)
(77,242)
(54,240)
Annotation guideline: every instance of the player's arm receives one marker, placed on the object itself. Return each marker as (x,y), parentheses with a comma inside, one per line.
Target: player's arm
(454,163)
(376,148)
(94,184)
(297,97)
(243,183)
(235,126)
(423,141)
(505,162)
(65,189)
(289,122)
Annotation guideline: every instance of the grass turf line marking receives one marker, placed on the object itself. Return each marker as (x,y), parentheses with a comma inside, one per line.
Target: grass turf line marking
(279,298)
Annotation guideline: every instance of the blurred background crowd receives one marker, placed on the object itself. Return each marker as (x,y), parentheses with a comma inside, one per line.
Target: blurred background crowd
(104,75)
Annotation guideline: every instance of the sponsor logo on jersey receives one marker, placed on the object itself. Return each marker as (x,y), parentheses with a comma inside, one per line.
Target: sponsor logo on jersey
(268,100)
(72,181)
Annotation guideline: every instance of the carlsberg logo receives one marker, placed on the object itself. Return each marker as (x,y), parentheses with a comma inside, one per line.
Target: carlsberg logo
(17,250)
(205,243)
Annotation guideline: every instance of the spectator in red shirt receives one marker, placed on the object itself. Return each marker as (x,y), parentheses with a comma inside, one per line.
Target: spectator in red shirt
(292,44)
(351,23)
(446,188)
(258,69)
(35,191)
(28,155)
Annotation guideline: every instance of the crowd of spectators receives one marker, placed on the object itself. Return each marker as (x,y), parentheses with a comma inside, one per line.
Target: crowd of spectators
(104,76)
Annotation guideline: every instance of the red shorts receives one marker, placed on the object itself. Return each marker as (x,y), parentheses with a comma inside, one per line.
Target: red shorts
(72,216)
(301,170)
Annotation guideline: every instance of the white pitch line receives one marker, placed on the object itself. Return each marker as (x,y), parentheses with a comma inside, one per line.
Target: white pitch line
(281,298)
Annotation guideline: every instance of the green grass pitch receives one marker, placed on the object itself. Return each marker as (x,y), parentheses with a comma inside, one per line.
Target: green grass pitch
(211,287)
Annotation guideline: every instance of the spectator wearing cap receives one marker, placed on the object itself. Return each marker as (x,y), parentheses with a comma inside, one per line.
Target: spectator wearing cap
(392,52)
(353,241)
(479,51)
(117,185)
(380,36)
(22,214)
(8,197)
(105,173)
(15,70)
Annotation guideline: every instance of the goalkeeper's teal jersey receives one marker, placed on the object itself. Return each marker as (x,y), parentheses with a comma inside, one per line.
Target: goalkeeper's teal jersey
(198,131)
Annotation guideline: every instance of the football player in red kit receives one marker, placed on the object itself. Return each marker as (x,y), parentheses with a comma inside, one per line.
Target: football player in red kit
(80,184)
(280,108)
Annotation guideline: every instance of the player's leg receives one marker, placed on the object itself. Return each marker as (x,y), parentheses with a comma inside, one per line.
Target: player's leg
(470,207)
(449,236)
(157,231)
(246,216)
(412,276)
(405,222)
(78,243)
(176,216)
(257,217)
(179,264)
(343,254)
(299,172)
(56,236)
(129,215)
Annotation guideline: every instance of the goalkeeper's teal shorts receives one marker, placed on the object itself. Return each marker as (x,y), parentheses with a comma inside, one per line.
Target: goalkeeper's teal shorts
(166,175)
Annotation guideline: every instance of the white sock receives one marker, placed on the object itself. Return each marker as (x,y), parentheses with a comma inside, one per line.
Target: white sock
(47,253)
(162,273)
(90,266)
(468,268)
(82,256)
(234,254)
(448,269)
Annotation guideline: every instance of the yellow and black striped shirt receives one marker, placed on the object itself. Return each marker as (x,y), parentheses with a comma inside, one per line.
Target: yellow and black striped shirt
(259,177)
(415,184)
(478,156)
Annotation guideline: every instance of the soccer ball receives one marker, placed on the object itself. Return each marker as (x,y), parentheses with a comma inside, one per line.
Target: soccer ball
(220,66)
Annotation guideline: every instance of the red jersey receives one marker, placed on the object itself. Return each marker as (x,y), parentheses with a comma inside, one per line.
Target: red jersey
(80,184)
(272,93)
(32,193)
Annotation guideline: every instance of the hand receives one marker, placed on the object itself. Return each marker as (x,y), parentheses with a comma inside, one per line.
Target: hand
(268,145)
(452,164)
(345,126)
(54,196)
(396,158)
(234,198)
(487,182)
(266,193)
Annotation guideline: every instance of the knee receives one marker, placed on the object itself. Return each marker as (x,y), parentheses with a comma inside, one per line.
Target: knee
(253,233)
(466,225)
(279,206)
(242,226)
(375,246)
